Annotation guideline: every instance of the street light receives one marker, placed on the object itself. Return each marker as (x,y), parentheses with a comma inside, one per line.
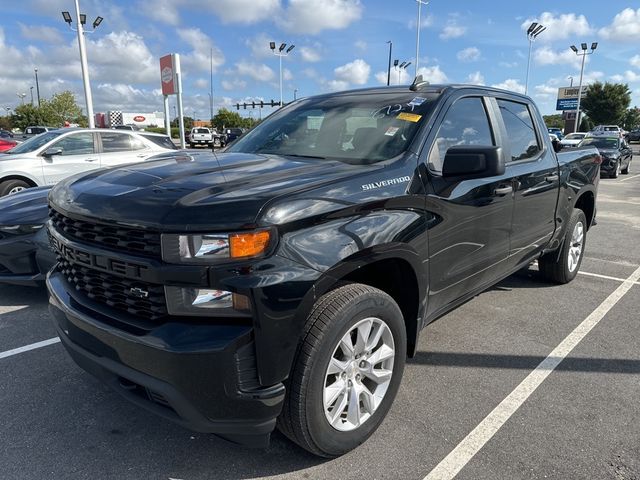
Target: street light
(420,3)
(31,91)
(570,77)
(21,95)
(584,54)
(389,67)
(81,20)
(400,67)
(37,86)
(533,31)
(281,52)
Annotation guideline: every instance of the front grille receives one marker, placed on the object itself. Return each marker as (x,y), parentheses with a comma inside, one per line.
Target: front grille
(123,239)
(116,292)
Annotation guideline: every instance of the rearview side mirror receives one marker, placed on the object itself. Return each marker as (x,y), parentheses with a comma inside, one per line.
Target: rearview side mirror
(50,152)
(467,162)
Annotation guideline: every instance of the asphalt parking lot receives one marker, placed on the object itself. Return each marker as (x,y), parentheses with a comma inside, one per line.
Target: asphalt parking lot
(527,380)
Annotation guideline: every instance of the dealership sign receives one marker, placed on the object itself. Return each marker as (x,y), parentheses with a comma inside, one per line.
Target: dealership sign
(139,118)
(168,75)
(568,98)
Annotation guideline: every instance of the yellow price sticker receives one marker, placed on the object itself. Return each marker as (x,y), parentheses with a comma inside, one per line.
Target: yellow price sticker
(409,117)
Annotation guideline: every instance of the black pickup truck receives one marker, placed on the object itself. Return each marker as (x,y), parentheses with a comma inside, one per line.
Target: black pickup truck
(285,282)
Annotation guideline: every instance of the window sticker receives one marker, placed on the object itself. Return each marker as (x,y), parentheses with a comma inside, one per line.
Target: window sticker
(417,101)
(391,131)
(409,117)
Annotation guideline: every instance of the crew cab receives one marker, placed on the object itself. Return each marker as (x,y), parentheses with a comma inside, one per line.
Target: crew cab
(286,281)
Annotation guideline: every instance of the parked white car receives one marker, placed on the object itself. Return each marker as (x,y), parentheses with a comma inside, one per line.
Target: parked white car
(573,139)
(52,156)
(607,131)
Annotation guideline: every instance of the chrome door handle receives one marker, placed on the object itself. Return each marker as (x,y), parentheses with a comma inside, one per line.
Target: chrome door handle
(141,155)
(552,178)
(90,159)
(503,190)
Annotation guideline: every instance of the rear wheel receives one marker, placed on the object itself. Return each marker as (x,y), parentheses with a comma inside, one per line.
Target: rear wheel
(9,187)
(347,371)
(563,266)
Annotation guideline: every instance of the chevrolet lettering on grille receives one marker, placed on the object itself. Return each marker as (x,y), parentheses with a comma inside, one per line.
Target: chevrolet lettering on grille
(98,262)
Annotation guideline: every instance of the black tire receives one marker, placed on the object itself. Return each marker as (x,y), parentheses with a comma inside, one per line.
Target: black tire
(625,170)
(8,185)
(191,145)
(303,417)
(554,266)
(614,173)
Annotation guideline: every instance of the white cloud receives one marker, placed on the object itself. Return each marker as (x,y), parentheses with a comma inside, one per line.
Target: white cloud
(356,72)
(337,85)
(628,76)
(259,72)
(310,54)
(200,57)
(361,45)
(475,78)
(635,61)
(233,84)
(259,46)
(624,28)
(511,85)
(508,64)
(241,11)
(433,74)
(287,75)
(425,22)
(470,54)
(40,33)
(165,11)
(311,17)
(201,83)
(452,30)
(567,25)
(547,56)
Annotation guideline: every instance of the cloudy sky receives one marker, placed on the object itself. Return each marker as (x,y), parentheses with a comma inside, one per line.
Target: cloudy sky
(340,44)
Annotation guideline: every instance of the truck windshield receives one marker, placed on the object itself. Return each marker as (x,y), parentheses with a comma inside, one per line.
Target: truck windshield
(34,143)
(356,128)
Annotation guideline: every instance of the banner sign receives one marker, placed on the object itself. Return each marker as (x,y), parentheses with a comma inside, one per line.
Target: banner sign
(168,75)
(568,97)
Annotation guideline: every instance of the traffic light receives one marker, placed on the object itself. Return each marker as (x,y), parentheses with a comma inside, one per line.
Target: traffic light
(237,106)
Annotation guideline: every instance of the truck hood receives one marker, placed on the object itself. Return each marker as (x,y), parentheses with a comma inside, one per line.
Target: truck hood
(609,152)
(28,207)
(193,191)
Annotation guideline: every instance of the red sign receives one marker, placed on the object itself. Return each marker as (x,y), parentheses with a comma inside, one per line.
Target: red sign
(167,75)
(139,118)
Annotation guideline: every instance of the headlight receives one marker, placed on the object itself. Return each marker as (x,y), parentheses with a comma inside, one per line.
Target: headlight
(212,248)
(20,229)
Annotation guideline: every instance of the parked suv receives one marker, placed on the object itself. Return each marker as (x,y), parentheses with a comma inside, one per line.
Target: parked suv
(47,158)
(607,131)
(33,131)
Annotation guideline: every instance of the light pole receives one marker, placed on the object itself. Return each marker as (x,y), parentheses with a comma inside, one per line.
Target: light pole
(31,90)
(399,68)
(81,20)
(420,3)
(389,67)
(295,93)
(21,95)
(281,52)
(584,54)
(534,30)
(211,85)
(35,70)
(570,77)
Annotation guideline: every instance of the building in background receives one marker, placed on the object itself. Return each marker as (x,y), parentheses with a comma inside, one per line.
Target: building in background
(138,119)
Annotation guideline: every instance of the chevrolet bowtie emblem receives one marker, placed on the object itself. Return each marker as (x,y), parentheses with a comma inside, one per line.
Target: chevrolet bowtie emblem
(138,292)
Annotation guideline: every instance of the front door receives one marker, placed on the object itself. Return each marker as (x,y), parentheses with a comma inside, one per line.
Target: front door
(469,240)
(78,154)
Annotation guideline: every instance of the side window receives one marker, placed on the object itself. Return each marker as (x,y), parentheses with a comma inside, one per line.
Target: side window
(115,142)
(520,131)
(76,144)
(137,144)
(465,123)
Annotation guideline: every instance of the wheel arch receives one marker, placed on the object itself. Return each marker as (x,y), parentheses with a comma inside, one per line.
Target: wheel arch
(24,178)
(586,202)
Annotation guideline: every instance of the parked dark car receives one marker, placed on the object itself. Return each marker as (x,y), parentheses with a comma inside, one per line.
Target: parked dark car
(556,131)
(232,133)
(25,251)
(6,134)
(285,281)
(616,154)
(634,135)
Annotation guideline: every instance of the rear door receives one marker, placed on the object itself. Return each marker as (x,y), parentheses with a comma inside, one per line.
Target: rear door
(78,155)
(533,166)
(119,148)
(469,239)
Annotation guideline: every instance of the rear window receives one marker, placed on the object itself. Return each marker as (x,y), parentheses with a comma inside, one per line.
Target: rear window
(520,131)
(161,141)
(610,129)
(200,130)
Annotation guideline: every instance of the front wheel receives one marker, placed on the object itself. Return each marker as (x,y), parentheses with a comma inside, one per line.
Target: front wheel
(347,371)
(625,170)
(562,267)
(616,170)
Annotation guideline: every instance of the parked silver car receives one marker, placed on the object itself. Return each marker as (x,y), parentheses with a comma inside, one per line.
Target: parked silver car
(52,156)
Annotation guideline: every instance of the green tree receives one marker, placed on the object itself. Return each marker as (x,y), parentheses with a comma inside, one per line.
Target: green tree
(228,119)
(631,119)
(586,125)
(188,123)
(61,108)
(606,103)
(27,114)
(553,121)
(6,123)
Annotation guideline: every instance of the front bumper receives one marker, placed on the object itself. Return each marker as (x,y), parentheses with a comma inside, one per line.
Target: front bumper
(25,259)
(201,376)
(608,166)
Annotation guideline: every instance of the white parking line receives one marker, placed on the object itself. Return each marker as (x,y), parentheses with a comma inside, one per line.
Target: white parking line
(629,178)
(606,277)
(451,465)
(26,348)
